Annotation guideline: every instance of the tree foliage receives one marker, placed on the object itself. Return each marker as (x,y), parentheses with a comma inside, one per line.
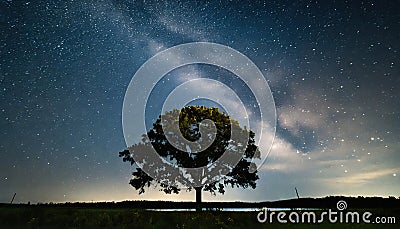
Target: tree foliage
(190,121)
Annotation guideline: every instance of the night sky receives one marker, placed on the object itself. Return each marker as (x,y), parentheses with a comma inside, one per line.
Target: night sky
(333,69)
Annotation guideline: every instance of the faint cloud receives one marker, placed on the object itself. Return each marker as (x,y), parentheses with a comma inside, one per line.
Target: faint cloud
(363,177)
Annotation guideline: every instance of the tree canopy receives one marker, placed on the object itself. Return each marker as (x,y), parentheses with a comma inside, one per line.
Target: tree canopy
(193,121)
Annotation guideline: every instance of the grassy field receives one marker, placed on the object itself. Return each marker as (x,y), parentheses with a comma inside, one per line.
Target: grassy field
(62,217)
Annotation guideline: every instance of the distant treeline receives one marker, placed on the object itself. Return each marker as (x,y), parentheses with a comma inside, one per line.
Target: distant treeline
(320,203)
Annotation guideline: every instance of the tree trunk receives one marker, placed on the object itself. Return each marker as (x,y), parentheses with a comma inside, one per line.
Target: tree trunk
(198,198)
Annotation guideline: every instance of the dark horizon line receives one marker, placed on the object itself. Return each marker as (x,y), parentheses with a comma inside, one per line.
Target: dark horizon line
(307,202)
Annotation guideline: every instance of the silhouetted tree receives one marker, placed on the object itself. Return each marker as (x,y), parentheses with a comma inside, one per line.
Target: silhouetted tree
(190,121)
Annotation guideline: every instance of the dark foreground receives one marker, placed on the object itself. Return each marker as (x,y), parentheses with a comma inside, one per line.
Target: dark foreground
(34,216)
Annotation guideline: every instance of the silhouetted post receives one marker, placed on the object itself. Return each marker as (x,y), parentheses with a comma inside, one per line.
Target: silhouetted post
(298,197)
(198,198)
(13,198)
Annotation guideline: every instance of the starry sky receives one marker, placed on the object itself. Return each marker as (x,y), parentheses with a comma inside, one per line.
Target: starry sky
(332,66)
